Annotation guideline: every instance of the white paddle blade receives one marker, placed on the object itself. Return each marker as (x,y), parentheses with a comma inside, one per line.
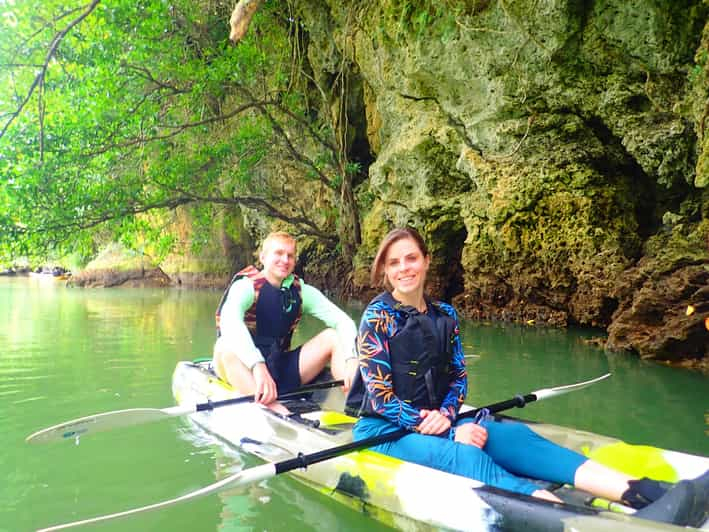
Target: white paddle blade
(76,428)
(559,390)
(242,478)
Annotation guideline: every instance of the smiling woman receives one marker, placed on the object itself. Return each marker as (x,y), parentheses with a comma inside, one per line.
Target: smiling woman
(405,261)
(412,376)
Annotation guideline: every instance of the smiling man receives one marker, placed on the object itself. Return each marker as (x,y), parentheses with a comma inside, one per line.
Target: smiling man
(255,322)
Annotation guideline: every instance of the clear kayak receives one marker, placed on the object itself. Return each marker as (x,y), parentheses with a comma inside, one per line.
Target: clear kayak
(407,496)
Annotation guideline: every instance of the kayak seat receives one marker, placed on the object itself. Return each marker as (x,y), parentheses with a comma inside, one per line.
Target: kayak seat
(302,405)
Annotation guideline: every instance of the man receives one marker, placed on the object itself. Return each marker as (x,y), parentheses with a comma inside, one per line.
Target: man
(255,322)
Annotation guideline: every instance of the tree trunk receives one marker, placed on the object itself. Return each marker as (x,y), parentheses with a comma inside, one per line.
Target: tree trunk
(348,227)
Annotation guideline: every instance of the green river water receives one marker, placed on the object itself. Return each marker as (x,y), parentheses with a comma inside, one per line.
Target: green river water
(66,353)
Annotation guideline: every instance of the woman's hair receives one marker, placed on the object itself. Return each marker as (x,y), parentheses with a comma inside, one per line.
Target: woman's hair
(377,277)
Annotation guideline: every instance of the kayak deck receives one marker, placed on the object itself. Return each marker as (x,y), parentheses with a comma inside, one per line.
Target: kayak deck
(405,495)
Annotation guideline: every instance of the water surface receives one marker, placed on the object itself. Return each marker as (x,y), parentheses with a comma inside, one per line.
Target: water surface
(66,353)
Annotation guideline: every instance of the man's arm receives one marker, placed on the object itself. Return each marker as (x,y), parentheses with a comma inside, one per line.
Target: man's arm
(316,304)
(235,335)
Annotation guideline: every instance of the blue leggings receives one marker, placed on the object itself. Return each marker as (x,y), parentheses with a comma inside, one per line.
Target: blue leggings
(511,449)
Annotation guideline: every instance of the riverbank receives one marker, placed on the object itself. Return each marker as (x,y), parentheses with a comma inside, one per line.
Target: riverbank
(670,330)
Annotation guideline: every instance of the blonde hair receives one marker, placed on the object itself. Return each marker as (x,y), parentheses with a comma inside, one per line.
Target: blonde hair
(276,235)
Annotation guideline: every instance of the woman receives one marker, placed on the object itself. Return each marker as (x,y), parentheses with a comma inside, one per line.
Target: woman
(412,375)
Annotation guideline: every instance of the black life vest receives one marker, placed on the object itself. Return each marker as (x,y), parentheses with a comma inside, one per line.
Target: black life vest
(420,354)
(274,313)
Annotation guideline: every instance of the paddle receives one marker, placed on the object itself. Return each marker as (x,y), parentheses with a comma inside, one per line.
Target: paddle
(137,416)
(265,471)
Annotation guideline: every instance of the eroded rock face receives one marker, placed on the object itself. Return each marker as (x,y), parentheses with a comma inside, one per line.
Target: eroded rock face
(108,278)
(655,321)
(118,266)
(665,302)
(539,146)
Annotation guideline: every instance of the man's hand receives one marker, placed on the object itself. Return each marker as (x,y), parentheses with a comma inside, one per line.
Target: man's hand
(471,434)
(433,422)
(351,369)
(265,391)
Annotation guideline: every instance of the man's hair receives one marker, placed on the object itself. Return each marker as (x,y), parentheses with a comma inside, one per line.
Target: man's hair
(276,235)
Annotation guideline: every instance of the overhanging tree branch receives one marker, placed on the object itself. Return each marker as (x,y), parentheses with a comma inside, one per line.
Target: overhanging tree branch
(304,225)
(39,78)
(144,73)
(177,129)
(278,128)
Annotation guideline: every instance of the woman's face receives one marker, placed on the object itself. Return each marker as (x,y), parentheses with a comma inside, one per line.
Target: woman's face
(405,266)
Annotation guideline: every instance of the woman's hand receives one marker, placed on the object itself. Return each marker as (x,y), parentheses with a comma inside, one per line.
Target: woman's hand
(471,434)
(433,422)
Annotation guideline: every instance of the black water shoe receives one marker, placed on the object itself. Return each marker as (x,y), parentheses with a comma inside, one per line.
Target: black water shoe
(642,492)
(684,504)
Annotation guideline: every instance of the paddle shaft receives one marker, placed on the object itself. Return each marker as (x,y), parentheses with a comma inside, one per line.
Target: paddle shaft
(138,416)
(265,471)
(211,405)
(517,401)
(304,460)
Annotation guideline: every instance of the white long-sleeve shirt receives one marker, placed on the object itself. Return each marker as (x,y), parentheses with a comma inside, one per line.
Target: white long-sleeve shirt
(235,335)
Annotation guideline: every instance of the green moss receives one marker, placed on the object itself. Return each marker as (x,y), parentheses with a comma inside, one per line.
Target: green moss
(681,244)
(442,178)
(116,257)
(375,225)
(701,179)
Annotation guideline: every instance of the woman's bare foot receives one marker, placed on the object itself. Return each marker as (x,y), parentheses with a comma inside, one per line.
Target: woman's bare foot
(546,495)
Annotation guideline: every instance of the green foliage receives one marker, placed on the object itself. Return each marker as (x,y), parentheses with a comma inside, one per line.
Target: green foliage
(425,19)
(144,107)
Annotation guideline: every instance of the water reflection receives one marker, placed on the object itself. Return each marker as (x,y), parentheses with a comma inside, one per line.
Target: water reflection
(279,503)
(66,353)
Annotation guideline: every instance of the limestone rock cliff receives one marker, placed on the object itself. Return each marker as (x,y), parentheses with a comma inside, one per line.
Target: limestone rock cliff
(552,152)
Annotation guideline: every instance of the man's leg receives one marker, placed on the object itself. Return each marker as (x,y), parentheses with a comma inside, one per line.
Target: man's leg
(316,353)
(231,369)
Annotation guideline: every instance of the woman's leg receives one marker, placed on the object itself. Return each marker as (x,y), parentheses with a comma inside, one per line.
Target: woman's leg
(444,454)
(520,450)
(601,480)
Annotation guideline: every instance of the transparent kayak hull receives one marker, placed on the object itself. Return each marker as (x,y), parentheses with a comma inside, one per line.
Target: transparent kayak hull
(407,496)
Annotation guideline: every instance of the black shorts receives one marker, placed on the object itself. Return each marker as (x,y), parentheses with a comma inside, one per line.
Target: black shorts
(284,368)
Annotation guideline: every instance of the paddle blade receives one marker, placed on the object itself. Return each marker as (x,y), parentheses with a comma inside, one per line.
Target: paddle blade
(101,422)
(242,478)
(559,390)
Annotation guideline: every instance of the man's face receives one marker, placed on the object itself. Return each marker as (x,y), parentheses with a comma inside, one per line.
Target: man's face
(278,259)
